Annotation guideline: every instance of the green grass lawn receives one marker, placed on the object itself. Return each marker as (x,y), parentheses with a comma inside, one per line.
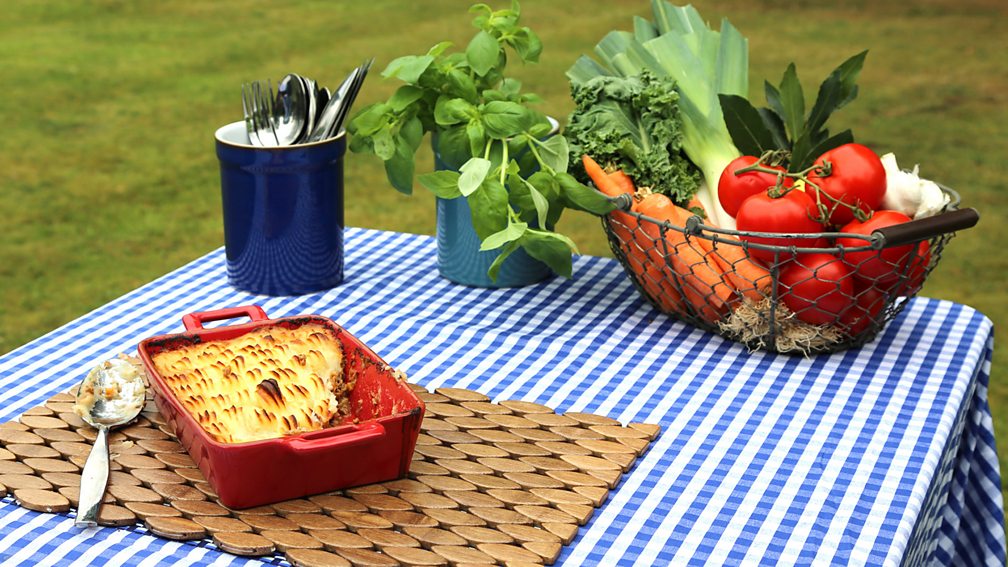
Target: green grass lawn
(108,175)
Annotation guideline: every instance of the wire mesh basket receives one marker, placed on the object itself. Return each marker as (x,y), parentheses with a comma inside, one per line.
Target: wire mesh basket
(789,293)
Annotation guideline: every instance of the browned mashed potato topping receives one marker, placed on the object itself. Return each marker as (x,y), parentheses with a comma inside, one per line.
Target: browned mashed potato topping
(264,384)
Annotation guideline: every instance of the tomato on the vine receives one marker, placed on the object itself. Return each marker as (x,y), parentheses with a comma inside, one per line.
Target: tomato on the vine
(791,212)
(875,266)
(734,189)
(867,306)
(818,288)
(856,179)
(916,263)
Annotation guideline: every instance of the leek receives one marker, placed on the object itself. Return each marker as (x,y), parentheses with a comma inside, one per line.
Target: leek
(678,44)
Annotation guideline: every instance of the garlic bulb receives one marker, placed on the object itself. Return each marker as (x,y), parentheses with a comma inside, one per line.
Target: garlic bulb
(908,193)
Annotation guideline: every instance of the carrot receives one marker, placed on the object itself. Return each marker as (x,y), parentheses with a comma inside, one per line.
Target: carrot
(623,181)
(626,229)
(702,283)
(749,278)
(601,179)
(695,204)
(741,273)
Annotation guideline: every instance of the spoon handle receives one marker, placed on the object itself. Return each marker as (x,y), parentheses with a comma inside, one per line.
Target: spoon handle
(94,479)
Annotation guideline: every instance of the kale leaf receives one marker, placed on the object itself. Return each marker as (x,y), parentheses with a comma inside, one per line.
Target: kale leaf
(633,124)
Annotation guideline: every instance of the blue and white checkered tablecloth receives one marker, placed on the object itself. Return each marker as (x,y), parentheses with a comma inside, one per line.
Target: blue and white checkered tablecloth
(882,455)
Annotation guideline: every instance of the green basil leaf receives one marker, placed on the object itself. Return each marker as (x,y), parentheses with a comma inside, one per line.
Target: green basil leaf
(451,111)
(510,88)
(745,125)
(489,206)
(550,248)
(775,126)
(527,44)
(519,195)
(411,133)
(482,52)
(582,197)
(369,120)
(542,206)
(444,184)
(506,252)
(408,68)
(451,147)
(793,101)
(476,136)
(399,170)
(439,48)
(491,95)
(555,153)
(504,119)
(404,96)
(482,9)
(473,173)
(361,144)
(463,85)
(513,231)
(384,145)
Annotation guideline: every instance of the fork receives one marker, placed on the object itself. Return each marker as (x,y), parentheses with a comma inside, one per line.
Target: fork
(258,107)
(248,110)
(268,105)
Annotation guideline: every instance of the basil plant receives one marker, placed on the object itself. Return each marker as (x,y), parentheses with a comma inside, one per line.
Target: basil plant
(496,151)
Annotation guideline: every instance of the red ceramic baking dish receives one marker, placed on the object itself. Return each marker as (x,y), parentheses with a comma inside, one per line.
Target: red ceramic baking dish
(374,444)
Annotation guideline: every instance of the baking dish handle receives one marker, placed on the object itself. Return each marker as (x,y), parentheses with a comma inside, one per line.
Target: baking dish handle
(194,321)
(362,434)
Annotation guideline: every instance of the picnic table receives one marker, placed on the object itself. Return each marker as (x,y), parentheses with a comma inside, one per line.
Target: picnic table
(879,455)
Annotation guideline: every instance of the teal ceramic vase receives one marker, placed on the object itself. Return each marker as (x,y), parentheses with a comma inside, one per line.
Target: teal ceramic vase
(458,248)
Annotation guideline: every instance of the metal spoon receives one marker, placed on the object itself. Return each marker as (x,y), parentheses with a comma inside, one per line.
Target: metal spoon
(102,412)
(323,99)
(348,100)
(332,109)
(291,109)
(311,89)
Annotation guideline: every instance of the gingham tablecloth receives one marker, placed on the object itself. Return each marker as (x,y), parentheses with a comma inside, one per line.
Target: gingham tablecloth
(882,455)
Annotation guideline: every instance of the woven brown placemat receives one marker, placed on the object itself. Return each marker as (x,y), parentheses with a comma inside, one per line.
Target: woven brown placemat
(490,483)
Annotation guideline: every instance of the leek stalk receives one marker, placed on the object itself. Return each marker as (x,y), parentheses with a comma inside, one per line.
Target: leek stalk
(677,43)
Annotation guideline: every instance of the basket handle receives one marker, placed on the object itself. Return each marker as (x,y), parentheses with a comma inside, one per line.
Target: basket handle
(922,229)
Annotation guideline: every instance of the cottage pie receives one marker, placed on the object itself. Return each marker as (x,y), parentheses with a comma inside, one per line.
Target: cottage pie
(264,384)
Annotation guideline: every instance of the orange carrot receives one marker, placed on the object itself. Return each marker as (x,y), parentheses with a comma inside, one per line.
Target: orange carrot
(749,278)
(746,277)
(702,283)
(626,229)
(623,181)
(695,204)
(601,179)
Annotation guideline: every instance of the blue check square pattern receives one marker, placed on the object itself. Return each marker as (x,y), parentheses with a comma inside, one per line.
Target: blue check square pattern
(882,455)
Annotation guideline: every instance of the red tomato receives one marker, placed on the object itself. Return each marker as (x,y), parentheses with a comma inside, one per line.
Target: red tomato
(818,288)
(918,263)
(734,189)
(857,179)
(867,308)
(791,212)
(875,266)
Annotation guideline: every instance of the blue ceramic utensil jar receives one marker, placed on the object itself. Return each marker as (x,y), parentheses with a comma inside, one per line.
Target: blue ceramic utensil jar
(283,213)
